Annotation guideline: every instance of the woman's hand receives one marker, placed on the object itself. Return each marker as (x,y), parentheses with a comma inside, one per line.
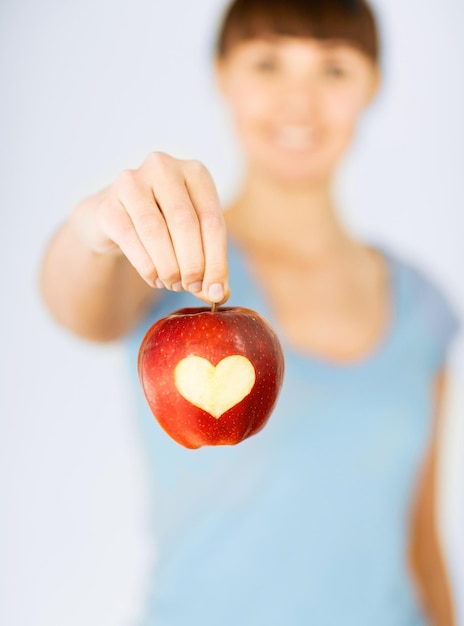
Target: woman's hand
(166,219)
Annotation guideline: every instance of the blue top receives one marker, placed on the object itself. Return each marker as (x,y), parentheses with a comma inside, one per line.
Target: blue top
(306,523)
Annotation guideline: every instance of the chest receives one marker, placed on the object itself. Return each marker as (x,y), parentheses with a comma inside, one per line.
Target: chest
(335,312)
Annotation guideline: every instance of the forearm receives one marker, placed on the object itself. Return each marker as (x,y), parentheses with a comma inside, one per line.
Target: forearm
(96,296)
(430,571)
(427,559)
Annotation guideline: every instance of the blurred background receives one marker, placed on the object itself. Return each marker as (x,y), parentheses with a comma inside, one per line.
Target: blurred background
(89,88)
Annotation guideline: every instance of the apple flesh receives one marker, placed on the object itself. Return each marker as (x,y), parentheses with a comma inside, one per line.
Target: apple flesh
(211,378)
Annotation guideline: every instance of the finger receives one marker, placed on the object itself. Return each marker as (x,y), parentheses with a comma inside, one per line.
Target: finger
(203,194)
(117,224)
(151,229)
(183,225)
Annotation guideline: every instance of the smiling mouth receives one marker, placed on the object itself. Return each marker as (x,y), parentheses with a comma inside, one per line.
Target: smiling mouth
(295,137)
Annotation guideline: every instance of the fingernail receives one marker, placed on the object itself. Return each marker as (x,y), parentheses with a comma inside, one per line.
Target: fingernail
(216,292)
(159,284)
(177,286)
(195,287)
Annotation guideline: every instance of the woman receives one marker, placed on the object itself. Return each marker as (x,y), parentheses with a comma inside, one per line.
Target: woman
(327,516)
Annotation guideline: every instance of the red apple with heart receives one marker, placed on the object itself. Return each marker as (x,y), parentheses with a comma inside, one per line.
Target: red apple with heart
(211,377)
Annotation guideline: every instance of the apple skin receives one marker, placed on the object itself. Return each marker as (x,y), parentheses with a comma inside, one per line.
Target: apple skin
(211,336)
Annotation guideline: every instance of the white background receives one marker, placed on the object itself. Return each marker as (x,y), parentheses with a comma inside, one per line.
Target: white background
(86,89)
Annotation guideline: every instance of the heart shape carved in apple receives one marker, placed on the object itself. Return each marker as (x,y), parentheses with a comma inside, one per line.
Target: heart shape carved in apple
(211,377)
(209,387)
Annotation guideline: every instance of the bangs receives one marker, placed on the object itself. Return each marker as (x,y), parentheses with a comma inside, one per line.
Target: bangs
(351,21)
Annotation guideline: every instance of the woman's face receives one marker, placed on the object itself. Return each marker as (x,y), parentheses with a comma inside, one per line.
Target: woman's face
(296,103)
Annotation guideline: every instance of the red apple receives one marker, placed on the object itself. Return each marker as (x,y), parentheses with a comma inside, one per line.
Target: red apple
(211,378)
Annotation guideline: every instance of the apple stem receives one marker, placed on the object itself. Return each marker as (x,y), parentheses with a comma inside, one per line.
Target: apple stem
(213,307)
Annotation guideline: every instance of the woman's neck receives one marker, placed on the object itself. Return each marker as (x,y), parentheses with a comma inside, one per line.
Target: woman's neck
(301,220)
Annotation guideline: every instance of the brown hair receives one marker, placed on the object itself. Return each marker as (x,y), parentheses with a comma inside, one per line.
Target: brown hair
(346,20)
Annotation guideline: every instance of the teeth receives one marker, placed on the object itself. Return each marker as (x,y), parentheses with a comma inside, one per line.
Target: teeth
(295,137)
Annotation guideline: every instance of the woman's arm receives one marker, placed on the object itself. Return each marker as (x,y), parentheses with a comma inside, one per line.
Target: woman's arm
(160,225)
(426,556)
(96,296)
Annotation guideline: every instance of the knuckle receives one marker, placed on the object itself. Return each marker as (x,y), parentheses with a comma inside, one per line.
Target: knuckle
(183,219)
(216,274)
(192,271)
(196,167)
(147,222)
(213,221)
(118,224)
(170,276)
(110,217)
(125,234)
(216,268)
(146,269)
(158,160)
(126,180)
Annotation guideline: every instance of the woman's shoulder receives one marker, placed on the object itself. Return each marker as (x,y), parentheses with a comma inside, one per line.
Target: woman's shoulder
(423,300)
